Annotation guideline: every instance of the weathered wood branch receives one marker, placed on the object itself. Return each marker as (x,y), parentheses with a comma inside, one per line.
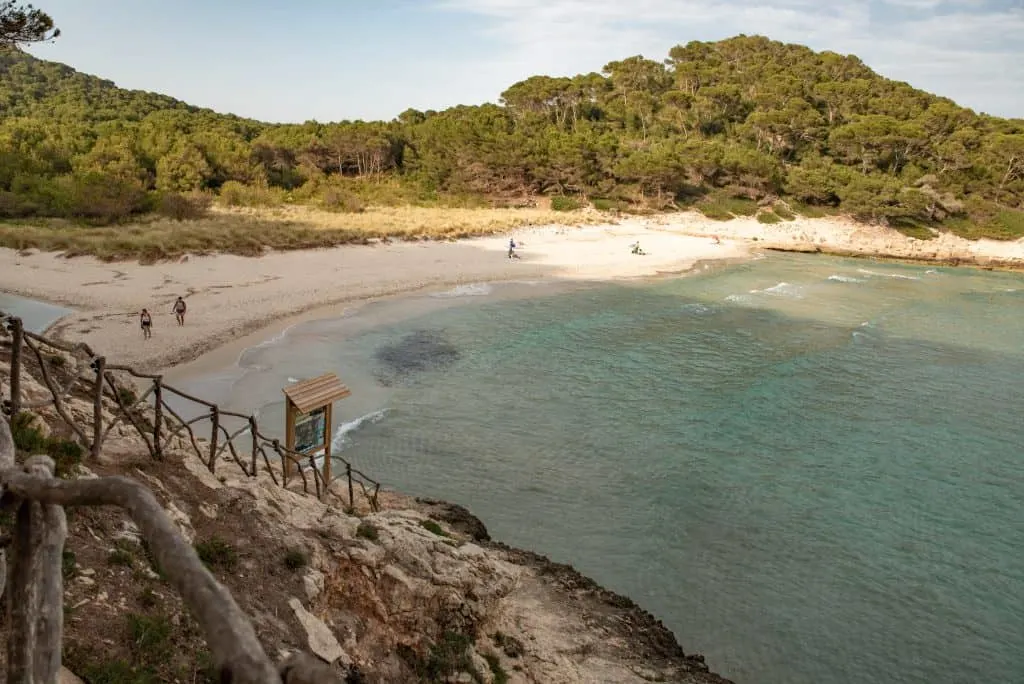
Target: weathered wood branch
(49,581)
(143,433)
(98,436)
(183,424)
(237,652)
(57,403)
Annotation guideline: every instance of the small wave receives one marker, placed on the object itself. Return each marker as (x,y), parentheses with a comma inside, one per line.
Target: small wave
(898,276)
(697,309)
(470,290)
(781,290)
(737,298)
(837,278)
(342,434)
(291,379)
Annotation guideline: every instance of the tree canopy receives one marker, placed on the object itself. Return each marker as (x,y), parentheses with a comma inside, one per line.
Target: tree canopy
(745,117)
(21,24)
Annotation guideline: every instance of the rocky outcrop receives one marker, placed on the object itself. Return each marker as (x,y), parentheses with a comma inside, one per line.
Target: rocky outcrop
(416,591)
(844,237)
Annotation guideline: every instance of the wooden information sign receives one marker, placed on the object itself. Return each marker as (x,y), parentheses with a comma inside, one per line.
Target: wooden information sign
(308,417)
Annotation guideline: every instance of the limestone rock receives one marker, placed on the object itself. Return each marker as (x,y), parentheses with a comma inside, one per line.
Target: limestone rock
(313,582)
(181,519)
(66,676)
(321,640)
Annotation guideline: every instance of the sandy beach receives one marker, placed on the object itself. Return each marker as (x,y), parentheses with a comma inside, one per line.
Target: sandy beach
(230,297)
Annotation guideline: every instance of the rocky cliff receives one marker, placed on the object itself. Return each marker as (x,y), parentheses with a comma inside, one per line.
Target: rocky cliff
(415,591)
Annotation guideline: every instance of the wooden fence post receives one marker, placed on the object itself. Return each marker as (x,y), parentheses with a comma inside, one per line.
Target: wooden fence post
(215,419)
(16,341)
(348,473)
(99,364)
(158,415)
(253,430)
(284,466)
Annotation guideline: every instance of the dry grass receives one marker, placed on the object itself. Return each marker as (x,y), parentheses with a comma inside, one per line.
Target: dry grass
(250,231)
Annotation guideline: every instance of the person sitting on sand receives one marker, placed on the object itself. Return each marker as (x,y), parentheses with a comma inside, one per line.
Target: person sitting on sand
(179,310)
(635,248)
(147,324)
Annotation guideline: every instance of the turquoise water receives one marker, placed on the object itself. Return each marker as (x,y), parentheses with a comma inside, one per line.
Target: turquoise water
(809,468)
(36,316)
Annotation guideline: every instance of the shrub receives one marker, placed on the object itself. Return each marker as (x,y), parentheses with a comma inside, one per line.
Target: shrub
(768,217)
(295,559)
(432,526)
(722,207)
(121,554)
(148,598)
(215,552)
(114,672)
(913,229)
(815,210)
(184,207)
(497,671)
(13,205)
(987,220)
(448,657)
(338,199)
(367,530)
(126,395)
(783,212)
(100,198)
(235,194)
(150,639)
(563,203)
(68,564)
(29,439)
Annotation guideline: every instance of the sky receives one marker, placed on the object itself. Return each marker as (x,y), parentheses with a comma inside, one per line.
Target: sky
(330,60)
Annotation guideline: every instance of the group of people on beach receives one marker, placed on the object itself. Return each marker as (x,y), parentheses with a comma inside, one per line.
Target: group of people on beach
(146,318)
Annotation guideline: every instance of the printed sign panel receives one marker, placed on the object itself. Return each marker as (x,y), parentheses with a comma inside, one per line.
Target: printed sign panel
(311,430)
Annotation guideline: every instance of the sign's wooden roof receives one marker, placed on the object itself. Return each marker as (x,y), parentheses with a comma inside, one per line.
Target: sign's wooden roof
(316,392)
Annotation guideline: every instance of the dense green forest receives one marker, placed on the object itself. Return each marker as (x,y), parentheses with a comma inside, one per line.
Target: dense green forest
(720,126)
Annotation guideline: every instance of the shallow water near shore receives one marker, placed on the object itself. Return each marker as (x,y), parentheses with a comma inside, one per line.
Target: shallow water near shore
(35,315)
(808,467)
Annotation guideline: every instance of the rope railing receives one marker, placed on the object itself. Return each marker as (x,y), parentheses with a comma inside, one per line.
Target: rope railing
(73,370)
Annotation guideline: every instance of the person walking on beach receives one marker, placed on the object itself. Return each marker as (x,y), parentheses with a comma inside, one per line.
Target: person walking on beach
(147,324)
(511,248)
(179,310)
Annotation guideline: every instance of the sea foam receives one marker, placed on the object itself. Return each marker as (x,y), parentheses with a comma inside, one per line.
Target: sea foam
(838,278)
(898,276)
(782,290)
(342,434)
(469,290)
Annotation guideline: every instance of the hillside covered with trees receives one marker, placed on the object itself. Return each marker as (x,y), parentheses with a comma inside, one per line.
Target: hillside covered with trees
(718,126)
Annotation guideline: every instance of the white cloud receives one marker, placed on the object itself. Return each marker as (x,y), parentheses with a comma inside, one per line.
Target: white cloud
(969,50)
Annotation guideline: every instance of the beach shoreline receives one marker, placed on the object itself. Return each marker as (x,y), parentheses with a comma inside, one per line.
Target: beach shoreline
(237,301)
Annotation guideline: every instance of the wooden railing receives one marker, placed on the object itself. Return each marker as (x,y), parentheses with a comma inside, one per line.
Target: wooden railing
(33,585)
(73,369)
